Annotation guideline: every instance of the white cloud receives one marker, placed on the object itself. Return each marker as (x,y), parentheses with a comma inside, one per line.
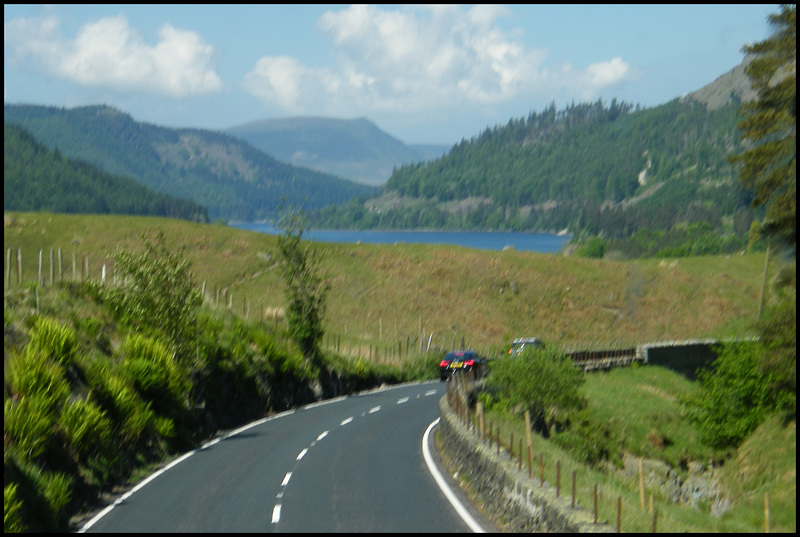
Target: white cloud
(608,73)
(421,58)
(109,53)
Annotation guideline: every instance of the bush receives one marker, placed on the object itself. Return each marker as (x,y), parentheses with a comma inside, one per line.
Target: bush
(154,373)
(594,248)
(30,374)
(87,428)
(734,396)
(28,423)
(591,442)
(12,510)
(545,382)
(158,294)
(54,340)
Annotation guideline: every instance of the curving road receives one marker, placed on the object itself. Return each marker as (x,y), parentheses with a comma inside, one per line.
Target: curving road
(350,464)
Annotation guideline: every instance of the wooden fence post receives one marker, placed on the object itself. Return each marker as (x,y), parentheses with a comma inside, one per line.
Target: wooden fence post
(541,470)
(766,512)
(641,485)
(558,478)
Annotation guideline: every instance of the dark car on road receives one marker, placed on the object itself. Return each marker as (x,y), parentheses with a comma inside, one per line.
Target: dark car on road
(459,362)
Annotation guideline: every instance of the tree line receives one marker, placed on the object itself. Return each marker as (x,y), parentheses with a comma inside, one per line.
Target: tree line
(39,179)
(597,168)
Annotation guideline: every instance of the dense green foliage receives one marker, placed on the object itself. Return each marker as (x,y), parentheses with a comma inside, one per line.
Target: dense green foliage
(306,289)
(543,382)
(734,398)
(769,125)
(699,238)
(157,292)
(226,175)
(36,178)
(593,168)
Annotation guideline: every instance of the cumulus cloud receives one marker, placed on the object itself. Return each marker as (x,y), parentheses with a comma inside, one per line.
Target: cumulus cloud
(420,58)
(109,53)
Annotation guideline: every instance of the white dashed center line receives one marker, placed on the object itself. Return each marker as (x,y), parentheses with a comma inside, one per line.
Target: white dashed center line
(403,400)
(286,479)
(323,435)
(348,420)
(302,454)
(276,514)
(374,409)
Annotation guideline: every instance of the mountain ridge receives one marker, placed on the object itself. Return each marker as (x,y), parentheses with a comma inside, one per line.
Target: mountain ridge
(227,175)
(355,149)
(593,168)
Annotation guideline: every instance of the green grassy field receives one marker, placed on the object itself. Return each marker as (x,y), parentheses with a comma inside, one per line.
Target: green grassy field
(387,294)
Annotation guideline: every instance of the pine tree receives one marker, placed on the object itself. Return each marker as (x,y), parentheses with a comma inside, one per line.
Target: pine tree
(768,167)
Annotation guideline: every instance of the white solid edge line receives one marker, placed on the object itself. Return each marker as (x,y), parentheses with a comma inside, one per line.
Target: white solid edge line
(437,476)
(172,464)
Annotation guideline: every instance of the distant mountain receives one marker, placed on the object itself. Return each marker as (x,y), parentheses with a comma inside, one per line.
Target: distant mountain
(36,178)
(355,149)
(599,168)
(227,175)
(730,88)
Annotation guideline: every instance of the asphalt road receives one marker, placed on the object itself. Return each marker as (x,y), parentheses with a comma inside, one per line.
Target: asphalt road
(352,464)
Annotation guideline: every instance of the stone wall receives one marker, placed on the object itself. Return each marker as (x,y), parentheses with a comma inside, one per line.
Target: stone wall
(684,357)
(508,494)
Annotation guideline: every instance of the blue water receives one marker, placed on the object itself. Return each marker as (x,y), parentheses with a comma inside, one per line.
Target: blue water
(481,240)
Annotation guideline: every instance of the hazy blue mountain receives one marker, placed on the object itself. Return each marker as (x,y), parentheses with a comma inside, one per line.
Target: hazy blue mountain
(230,177)
(355,149)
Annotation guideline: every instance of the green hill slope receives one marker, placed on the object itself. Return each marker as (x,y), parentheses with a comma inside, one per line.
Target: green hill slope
(38,179)
(227,175)
(591,167)
(599,168)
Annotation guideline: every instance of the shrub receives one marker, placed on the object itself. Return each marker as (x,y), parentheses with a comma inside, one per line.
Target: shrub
(12,510)
(306,289)
(30,373)
(734,396)
(154,373)
(594,248)
(591,442)
(545,382)
(87,428)
(157,293)
(28,422)
(54,340)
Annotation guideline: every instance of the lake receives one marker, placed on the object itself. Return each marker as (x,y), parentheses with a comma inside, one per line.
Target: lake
(482,240)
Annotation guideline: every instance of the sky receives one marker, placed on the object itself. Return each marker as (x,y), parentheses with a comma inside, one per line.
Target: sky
(423,74)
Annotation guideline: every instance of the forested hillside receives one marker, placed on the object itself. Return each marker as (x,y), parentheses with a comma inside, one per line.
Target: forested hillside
(230,177)
(596,168)
(36,178)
